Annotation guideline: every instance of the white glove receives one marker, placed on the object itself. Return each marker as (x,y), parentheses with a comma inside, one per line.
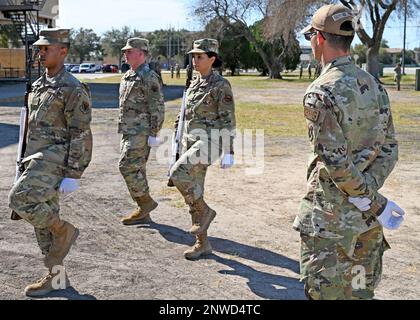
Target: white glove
(227,161)
(390,220)
(363,204)
(154,141)
(68,185)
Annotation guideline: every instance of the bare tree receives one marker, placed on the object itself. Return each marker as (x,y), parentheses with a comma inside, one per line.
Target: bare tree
(286,16)
(238,13)
(378,12)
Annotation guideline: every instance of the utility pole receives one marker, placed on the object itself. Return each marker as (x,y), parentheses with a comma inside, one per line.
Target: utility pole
(405,31)
(167,44)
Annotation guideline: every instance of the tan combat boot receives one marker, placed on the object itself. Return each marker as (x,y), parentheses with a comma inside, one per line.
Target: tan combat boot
(142,214)
(202,216)
(64,235)
(46,285)
(201,247)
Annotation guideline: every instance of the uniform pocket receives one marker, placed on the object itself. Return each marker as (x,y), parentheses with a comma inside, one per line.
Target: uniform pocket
(324,220)
(210,102)
(44,103)
(33,107)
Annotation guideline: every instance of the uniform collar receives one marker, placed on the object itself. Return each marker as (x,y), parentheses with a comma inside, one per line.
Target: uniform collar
(337,62)
(138,72)
(142,68)
(53,81)
(207,79)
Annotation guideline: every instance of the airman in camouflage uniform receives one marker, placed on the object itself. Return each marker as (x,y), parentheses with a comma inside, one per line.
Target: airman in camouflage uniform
(354,150)
(59,149)
(209,109)
(141,117)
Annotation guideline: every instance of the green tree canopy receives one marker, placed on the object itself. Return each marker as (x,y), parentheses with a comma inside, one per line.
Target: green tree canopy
(85,44)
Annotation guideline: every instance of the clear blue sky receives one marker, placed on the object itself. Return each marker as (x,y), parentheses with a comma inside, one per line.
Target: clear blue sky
(143,15)
(150,15)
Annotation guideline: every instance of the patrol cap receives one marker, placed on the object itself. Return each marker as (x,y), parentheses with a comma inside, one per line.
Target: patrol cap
(137,43)
(330,18)
(51,36)
(205,46)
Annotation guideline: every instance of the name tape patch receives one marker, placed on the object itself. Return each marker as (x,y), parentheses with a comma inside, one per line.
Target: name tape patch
(311,114)
(341,15)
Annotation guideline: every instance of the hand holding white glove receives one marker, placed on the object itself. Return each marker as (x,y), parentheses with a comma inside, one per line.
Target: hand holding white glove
(392,216)
(363,204)
(68,185)
(227,161)
(154,141)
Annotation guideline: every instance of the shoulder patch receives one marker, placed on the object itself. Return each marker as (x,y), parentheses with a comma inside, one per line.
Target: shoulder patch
(311,113)
(84,106)
(228,99)
(155,87)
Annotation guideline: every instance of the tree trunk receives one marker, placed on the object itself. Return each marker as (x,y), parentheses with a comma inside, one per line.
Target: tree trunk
(264,56)
(372,58)
(276,69)
(276,73)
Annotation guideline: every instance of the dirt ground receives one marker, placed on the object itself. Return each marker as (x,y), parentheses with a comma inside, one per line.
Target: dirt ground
(256,251)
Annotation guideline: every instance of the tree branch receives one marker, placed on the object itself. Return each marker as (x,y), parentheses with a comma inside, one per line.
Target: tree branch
(372,18)
(383,21)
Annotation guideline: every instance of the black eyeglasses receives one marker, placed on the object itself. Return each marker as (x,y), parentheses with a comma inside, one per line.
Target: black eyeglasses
(308,35)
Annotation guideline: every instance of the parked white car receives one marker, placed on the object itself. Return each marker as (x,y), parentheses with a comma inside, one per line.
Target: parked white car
(87,68)
(75,69)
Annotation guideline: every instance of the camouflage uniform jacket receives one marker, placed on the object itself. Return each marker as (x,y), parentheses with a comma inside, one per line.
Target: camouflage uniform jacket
(59,123)
(210,105)
(142,108)
(354,150)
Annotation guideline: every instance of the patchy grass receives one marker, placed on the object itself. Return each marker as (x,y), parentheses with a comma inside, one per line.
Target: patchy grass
(275,120)
(279,120)
(111,79)
(408,79)
(407,127)
(166,78)
(407,117)
(287,121)
(242,81)
(259,82)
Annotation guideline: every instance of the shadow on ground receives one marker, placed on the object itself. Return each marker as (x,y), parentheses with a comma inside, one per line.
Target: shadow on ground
(265,285)
(104,95)
(69,294)
(9,134)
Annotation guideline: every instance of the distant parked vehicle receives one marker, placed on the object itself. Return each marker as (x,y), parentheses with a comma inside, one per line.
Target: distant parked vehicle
(75,69)
(113,68)
(69,66)
(87,68)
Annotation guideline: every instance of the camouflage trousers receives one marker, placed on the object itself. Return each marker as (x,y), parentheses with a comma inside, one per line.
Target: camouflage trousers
(35,198)
(329,273)
(134,155)
(188,174)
